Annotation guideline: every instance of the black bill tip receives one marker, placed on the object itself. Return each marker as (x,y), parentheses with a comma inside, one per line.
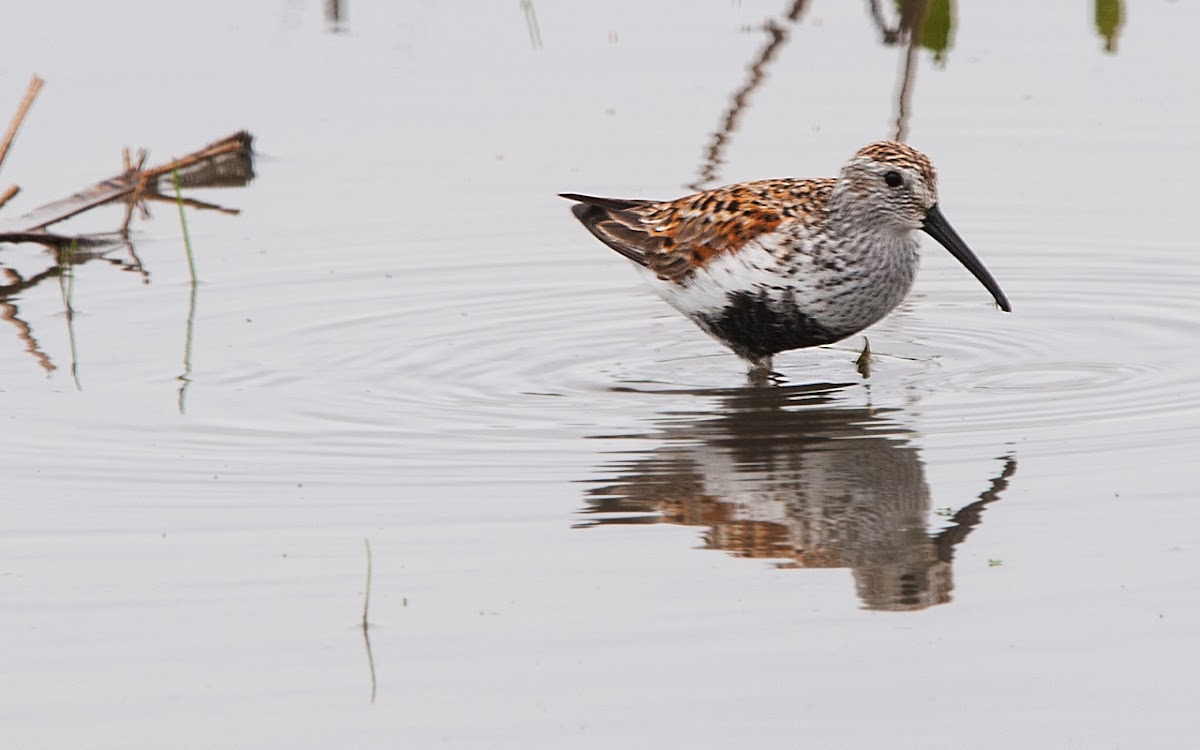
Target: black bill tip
(937,227)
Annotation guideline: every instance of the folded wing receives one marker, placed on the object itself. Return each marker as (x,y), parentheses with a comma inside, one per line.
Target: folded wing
(675,238)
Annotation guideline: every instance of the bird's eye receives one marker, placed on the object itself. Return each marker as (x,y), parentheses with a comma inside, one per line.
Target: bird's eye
(893,179)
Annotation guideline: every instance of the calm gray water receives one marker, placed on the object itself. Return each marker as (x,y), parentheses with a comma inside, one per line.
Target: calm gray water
(587,531)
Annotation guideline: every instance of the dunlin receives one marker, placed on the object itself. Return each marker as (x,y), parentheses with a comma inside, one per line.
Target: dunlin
(773,265)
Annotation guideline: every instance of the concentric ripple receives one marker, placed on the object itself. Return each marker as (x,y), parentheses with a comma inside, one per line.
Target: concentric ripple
(508,359)
(1107,346)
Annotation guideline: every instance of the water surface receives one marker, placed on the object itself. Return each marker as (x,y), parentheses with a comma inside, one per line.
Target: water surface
(587,530)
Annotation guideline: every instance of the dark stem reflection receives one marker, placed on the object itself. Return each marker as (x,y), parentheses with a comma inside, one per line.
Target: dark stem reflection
(777,36)
(784,473)
(335,15)
(917,25)
(60,267)
(926,23)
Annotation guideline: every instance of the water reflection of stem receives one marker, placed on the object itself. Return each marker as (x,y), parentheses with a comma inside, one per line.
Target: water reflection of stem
(66,284)
(535,33)
(185,378)
(136,262)
(889,35)
(904,92)
(912,26)
(370,663)
(8,311)
(334,15)
(366,626)
(776,36)
(969,516)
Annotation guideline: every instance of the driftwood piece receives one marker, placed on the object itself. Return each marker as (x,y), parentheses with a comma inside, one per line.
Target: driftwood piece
(226,163)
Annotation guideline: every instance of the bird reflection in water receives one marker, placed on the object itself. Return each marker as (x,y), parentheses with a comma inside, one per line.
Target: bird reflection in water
(784,473)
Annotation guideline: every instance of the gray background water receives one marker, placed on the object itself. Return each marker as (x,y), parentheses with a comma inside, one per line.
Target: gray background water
(405,336)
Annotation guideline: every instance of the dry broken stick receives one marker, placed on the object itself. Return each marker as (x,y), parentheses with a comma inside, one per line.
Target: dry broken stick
(226,163)
(8,194)
(31,92)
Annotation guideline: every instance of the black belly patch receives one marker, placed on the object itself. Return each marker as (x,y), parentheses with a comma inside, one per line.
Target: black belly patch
(757,325)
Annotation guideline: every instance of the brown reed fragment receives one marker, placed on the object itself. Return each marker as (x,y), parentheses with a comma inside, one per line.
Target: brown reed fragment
(31,92)
(7,195)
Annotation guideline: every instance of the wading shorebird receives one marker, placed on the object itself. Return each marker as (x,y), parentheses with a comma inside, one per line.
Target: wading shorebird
(773,265)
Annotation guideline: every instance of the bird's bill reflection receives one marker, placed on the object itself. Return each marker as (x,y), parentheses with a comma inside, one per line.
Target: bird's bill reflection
(787,474)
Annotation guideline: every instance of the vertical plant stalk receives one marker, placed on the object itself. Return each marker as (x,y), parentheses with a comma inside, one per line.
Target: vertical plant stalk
(535,33)
(367,590)
(187,240)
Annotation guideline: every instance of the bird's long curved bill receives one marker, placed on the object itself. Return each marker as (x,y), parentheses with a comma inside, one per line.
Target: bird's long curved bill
(938,228)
